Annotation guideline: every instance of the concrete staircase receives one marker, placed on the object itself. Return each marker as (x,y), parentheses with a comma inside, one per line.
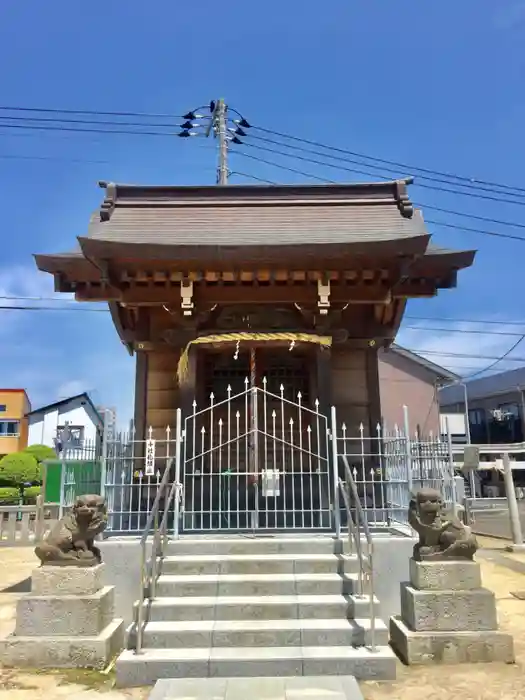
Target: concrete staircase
(253,607)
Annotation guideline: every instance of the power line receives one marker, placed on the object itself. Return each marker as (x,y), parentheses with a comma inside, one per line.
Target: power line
(444,353)
(252,177)
(496,362)
(470,229)
(56,121)
(471,182)
(354,170)
(343,159)
(92,112)
(282,167)
(459,330)
(128,132)
(389,162)
(50,308)
(465,320)
(53,158)
(78,306)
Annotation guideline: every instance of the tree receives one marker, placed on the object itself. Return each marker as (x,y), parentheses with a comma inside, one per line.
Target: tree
(19,470)
(9,496)
(30,494)
(40,452)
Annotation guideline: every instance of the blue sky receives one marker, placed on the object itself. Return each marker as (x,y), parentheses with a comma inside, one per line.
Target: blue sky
(433,84)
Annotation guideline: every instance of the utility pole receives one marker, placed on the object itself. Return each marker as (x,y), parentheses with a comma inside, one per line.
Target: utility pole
(224,129)
(220,130)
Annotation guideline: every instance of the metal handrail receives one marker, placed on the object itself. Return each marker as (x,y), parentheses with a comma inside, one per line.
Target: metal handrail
(148,567)
(366,563)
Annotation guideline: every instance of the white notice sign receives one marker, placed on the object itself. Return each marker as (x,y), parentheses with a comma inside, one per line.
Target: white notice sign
(150,458)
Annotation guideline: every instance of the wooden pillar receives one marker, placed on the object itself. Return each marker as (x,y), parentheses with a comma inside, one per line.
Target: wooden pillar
(373,391)
(188,385)
(323,379)
(141,392)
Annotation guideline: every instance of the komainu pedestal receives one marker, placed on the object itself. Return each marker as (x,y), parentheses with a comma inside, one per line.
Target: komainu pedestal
(65,622)
(446,616)
(67,619)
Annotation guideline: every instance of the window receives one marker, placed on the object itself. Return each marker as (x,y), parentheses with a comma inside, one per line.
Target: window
(476,416)
(3,408)
(9,428)
(76,435)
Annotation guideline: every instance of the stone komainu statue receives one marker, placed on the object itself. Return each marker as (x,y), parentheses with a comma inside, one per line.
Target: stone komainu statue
(71,541)
(439,537)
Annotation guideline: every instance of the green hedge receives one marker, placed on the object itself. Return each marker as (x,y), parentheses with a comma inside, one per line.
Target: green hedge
(18,469)
(9,496)
(30,494)
(40,452)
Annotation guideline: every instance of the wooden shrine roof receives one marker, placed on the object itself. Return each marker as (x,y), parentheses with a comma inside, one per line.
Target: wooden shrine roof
(263,223)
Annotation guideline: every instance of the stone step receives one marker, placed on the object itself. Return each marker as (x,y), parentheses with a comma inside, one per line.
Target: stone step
(256,584)
(261,544)
(262,633)
(152,664)
(269,688)
(257,563)
(265,607)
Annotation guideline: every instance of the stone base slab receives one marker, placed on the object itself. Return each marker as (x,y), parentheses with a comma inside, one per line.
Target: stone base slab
(448,611)
(418,648)
(269,688)
(66,580)
(63,652)
(445,575)
(71,615)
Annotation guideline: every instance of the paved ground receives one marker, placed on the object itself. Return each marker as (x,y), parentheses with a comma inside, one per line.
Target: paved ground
(503,573)
(497,524)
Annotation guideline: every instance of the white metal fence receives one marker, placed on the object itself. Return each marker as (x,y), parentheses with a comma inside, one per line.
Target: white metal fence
(260,461)
(256,460)
(388,465)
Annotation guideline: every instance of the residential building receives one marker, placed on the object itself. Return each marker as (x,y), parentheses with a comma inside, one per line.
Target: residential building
(14,406)
(495,406)
(75,419)
(407,379)
(109,419)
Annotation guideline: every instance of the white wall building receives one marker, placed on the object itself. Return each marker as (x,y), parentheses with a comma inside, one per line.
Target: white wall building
(77,413)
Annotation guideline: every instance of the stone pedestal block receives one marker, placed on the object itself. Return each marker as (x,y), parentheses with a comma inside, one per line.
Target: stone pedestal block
(66,580)
(448,611)
(416,648)
(84,615)
(67,621)
(446,616)
(445,575)
(63,652)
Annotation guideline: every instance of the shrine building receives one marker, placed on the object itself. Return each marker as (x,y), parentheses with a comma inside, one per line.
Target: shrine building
(273,300)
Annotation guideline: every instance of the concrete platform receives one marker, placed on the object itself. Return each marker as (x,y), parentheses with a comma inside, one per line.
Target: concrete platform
(253,662)
(269,688)
(63,652)
(418,648)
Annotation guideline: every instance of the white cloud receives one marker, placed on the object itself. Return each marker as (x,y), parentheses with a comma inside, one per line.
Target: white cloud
(31,284)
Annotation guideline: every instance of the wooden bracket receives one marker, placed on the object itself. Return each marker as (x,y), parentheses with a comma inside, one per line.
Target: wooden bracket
(186,295)
(323,289)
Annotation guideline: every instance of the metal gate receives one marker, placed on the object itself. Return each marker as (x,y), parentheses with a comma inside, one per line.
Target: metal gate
(256,460)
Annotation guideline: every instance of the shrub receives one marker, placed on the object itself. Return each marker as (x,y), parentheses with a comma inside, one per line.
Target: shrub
(40,452)
(30,495)
(9,496)
(19,469)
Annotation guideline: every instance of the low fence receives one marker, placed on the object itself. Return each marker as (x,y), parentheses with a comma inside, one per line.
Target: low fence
(388,465)
(22,526)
